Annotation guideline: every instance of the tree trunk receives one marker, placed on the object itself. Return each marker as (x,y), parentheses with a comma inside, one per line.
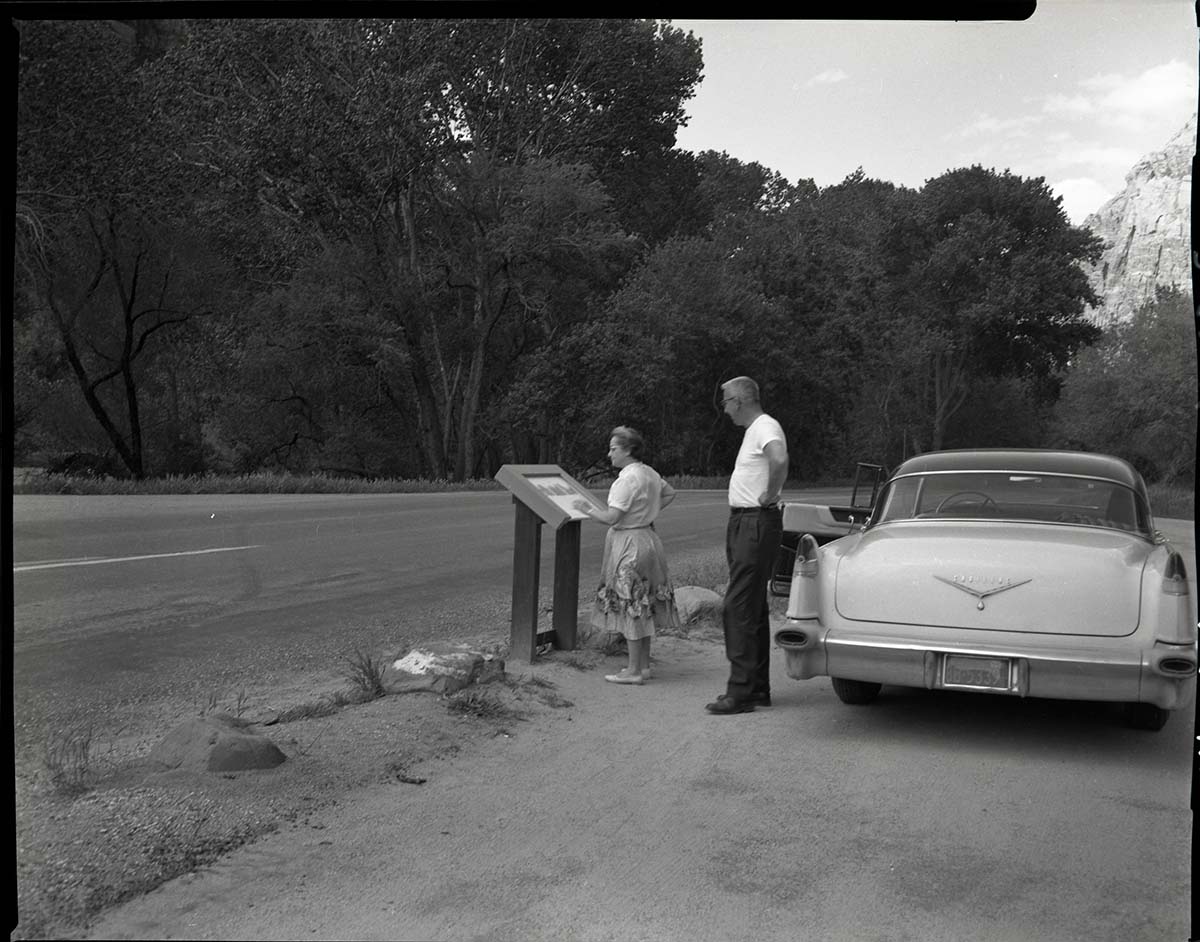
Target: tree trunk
(949,393)
(465,461)
(429,438)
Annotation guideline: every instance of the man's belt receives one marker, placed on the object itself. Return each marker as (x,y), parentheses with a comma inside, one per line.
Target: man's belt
(770,508)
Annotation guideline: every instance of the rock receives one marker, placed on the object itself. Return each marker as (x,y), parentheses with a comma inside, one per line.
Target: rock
(215,743)
(1147,231)
(694,602)
(443,668)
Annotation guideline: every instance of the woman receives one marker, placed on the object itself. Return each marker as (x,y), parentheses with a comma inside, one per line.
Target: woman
(635,594)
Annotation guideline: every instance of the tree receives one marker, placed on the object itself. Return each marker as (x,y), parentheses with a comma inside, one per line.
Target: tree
(989,269)
(110,292)
(433,147)
(101,266)
(1134,394)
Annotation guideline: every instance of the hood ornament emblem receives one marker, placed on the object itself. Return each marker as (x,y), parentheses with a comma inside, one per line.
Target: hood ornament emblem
(981,587)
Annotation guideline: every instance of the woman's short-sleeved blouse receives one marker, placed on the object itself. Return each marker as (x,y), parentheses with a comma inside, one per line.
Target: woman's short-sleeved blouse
(638,490)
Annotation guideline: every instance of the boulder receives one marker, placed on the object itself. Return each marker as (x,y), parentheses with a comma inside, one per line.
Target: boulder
(216,743)
(442,668)
(694,602)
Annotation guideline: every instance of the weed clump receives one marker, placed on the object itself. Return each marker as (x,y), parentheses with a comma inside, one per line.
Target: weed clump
(68,758)
(481,702)
(365,673)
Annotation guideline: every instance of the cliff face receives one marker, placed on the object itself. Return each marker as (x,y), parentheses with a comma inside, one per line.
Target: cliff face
(1146,230)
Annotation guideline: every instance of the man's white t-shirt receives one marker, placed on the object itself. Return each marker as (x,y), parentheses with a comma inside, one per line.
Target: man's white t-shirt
(752,470)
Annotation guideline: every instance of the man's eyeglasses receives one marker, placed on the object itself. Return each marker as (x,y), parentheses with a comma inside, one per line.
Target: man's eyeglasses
(720,400)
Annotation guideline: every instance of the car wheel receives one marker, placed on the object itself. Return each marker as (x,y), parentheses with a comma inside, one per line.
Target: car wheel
(855,691)
(1147,716)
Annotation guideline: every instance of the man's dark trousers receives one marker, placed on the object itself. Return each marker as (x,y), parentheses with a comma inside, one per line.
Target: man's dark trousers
(751,544)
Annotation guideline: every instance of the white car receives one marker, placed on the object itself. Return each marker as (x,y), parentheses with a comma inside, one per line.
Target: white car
(1029,573)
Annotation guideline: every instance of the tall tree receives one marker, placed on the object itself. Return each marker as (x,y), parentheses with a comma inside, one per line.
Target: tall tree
(989,269)
(101,263)
(422,142)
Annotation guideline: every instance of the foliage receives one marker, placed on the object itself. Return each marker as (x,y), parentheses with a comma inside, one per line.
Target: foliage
(987,270)
(108,283)
(1134,393)
(1172,501)
(467,198)
(422,248)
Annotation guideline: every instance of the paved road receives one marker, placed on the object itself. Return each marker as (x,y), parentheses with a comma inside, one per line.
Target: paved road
(139,597)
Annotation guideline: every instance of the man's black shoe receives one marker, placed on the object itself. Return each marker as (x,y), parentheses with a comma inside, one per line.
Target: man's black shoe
(724,705)
(757,699)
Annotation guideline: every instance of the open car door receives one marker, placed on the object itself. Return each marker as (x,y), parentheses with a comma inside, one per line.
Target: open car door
(825,522)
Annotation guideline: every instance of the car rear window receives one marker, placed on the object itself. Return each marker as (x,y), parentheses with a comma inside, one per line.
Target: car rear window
(1007,495)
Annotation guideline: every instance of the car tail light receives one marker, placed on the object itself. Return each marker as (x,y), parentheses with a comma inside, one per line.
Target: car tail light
(804,596)
(1175,576)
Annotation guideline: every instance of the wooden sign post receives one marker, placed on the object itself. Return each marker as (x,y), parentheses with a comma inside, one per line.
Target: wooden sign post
(544,493)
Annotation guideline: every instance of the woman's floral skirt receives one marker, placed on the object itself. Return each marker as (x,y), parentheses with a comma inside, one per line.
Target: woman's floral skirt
(635,594)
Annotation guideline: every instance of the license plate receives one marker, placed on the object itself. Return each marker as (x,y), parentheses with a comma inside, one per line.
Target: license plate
(978,673)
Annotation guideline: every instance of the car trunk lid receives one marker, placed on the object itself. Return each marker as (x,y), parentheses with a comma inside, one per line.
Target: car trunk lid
(995,576)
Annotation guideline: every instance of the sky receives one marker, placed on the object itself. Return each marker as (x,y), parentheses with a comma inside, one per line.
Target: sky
(1075,94)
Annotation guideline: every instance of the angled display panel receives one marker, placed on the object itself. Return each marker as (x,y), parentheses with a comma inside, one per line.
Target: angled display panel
(547,490)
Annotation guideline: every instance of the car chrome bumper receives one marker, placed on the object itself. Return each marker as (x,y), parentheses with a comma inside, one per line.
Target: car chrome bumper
(1053,670)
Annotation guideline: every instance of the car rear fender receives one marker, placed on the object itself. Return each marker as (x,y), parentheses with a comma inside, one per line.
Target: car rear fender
(809,600)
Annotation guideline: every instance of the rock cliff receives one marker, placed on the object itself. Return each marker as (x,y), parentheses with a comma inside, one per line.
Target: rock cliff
(1146,230)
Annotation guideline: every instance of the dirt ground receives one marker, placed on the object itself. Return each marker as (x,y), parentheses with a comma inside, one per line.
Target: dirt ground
(129,828)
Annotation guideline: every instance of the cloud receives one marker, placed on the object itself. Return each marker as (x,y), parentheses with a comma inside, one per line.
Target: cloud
(1112,158)
(1132,103)
(828,77)
(1074,106)
(1081,196)
(986,124)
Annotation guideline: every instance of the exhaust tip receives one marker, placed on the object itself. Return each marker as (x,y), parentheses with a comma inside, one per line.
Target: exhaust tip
(1177,665)
(791,638)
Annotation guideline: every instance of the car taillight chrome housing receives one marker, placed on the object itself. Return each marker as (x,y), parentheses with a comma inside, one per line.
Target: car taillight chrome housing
(804,597)
(1175,577)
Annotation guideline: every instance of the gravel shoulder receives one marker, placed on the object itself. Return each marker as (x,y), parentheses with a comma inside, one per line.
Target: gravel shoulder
(131,828)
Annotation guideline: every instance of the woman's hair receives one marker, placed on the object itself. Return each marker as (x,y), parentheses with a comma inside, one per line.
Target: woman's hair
(630,439)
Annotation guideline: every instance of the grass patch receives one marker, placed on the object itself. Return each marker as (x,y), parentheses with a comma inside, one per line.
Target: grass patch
(36,481)
(535,681)
(481,702)
(324,706)
(259,483)
(238,704)
(707,569)
(1172,500)
(365,673)
(580,660)
(68,758)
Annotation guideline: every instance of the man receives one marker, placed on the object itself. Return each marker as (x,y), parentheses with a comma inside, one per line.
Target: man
(751,542)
